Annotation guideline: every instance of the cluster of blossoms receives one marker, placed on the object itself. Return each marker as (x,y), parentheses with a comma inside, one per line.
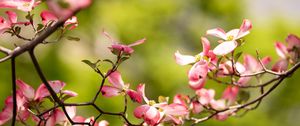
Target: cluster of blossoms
(217,64)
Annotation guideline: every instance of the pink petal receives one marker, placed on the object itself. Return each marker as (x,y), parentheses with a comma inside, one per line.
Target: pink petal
(116,80)
(47,16)
(243,81)
(26,89)
(24,5)
(196,107)
(205,45)
(137,42)
(251,64)
(225,48)
(135,96)
(230,94)
(71,110)
(6,113)
(197,75)
(141,90)
(184,59)
(205,95)
(217,32)
(140,111)
(71,23)
(78,119)
(4,25)
(218,104)
(175,109)
(117,48)
(281,50)
(280,66)
(293,41)
(152,116)
(69,93)
(73,6)
(103,123)
(266,60)
(12,16)
(232,35)
(59,116)
(42,91)
(109,91)
(181,99)
(245,28)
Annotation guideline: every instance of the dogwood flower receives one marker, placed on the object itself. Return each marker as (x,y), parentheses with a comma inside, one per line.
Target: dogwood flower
(12,20)
(68,7)
(24,5)
(118,87)
(48,16)
(230,38)
(117,48)
(197,74)
(252,65)
(27,96)
(154,113)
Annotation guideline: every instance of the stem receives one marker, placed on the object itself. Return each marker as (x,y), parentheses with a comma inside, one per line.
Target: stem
(14,88)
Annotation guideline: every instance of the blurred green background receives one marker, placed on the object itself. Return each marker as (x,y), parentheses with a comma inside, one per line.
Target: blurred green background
(168,25)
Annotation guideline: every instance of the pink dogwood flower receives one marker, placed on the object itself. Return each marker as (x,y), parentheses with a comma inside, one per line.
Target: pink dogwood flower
(26,97)
(154,113)
(197,74)
(48,16)
(230,94)
(283,52)
(117,48)
(69,7)
(230,38)
(252,66)
(118,87)
(24,5)
(12,20)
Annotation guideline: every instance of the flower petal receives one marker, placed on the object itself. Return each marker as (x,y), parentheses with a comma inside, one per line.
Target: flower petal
(197,75)
(24,5)
(140,111)
(217,32)
(225,48)
(293,41)
(244,29)
(12,16)
(6,113)
(205,45)
(230,94)
(205,95)
(116,80)
(109,91)
(184,59)
(280,66)
(42,91)
(152,116)
(138,42)
(47,16)
(281,50)
(26,89)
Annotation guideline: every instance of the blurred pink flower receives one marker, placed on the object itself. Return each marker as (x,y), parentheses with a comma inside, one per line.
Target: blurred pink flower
(24,5)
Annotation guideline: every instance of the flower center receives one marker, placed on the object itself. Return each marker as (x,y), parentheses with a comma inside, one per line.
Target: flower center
(151,102)
(230,37)
(26,4)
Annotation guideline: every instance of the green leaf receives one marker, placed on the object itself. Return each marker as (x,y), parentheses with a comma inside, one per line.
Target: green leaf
(237,56)
(73,38)
(92,65)
(17,30)
(243,96)
(40,26)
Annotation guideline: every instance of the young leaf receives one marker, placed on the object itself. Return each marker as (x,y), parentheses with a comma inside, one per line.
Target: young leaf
(92,65)
(243,96)
(73,38)
(237,56)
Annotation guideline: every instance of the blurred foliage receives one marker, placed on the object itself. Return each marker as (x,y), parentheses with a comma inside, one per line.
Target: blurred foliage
(168,25)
